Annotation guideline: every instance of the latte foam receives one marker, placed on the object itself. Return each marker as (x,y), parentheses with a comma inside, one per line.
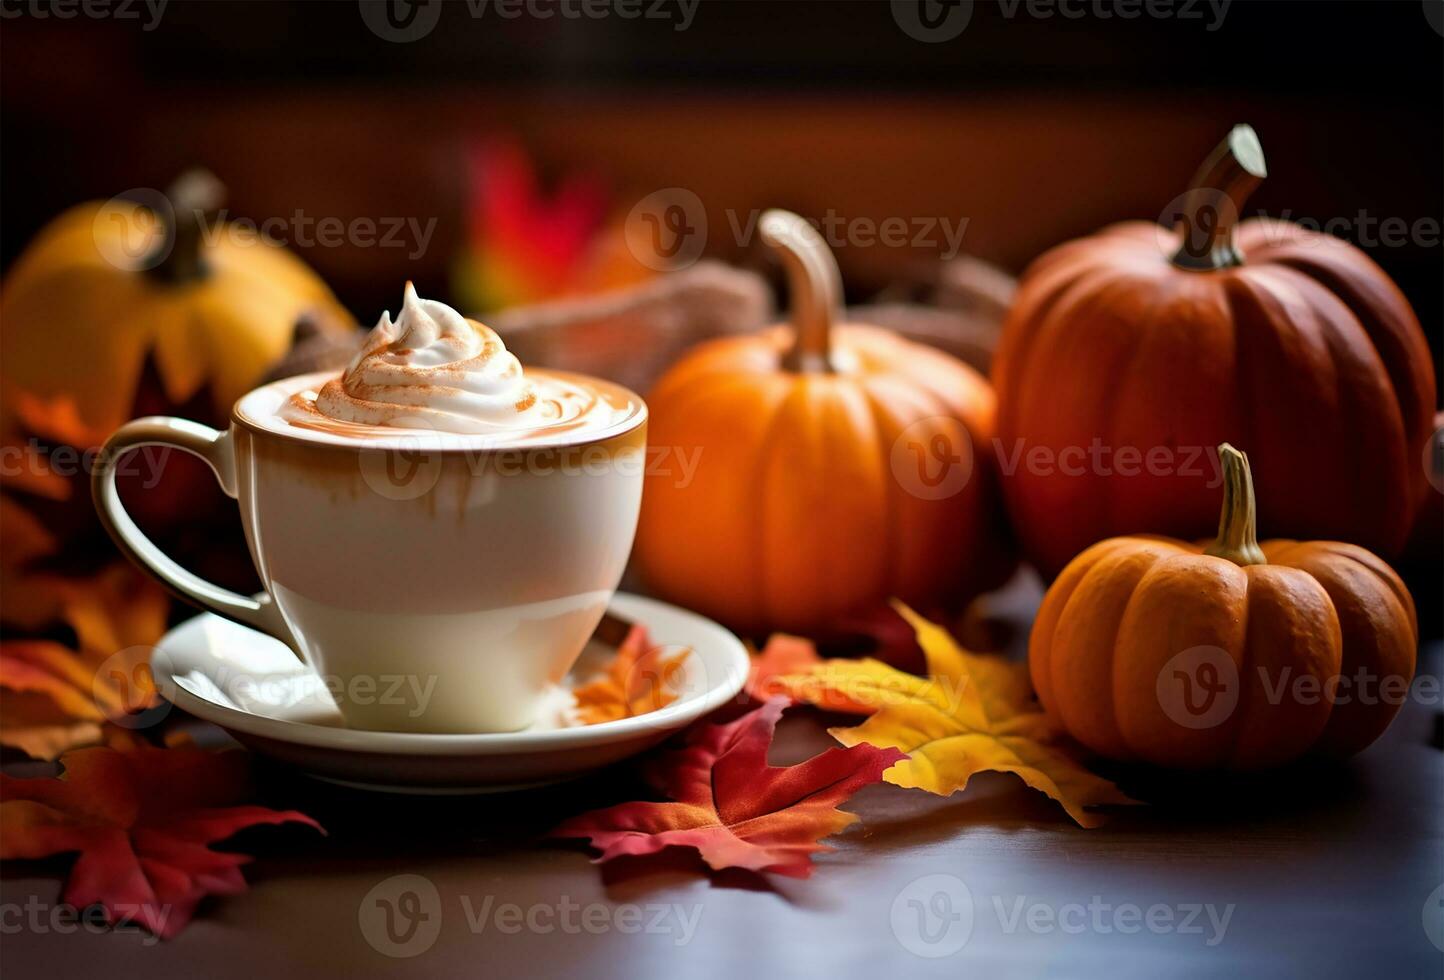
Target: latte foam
(434,370)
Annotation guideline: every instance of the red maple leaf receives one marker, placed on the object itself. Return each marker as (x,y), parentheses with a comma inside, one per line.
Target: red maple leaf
(731,806)
(141,821)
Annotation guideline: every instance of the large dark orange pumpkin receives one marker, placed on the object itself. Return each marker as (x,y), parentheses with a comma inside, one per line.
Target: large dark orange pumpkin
(1236,655)
(835,466)
(1128,355)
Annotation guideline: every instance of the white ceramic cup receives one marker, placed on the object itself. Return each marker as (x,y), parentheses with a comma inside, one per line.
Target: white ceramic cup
(436,582)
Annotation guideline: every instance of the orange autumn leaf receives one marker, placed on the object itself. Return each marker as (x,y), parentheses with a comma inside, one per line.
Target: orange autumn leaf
(57,422)
(28,599)
(972,713)
(726,802)
(140,822)
(53,697)
(784,656)
(640,678)
(25,536)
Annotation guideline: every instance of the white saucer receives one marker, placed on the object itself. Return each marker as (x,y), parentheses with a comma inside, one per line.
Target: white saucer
(253,686)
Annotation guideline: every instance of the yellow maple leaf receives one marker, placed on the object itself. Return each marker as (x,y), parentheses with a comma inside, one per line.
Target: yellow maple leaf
(972,713)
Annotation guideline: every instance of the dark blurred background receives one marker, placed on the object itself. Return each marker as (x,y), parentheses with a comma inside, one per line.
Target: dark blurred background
(1035,123)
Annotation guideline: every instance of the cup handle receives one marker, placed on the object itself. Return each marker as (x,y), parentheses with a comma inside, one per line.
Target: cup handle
(217,450)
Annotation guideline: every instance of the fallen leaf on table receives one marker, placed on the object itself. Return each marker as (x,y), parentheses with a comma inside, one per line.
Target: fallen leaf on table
(140,822)
(36,494)
(57,420)
(54,698)
(785,656)
(879,632)
(731,806)
(972,713)
(28,599)
(640,678)
(54,422)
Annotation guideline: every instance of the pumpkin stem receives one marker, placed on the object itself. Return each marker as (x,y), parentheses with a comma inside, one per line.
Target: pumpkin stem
(1237,525)
(1215,200)
(815,284)
(178,258)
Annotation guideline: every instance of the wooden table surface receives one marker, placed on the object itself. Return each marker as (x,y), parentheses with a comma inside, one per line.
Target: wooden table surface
(1334,872)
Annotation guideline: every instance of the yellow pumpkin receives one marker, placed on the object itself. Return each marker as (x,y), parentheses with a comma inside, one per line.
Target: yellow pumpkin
(1236,655)
(805,473)
(107,285)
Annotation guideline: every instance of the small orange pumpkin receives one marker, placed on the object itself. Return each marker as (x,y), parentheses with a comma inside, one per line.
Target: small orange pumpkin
(1234,656)
(835,466)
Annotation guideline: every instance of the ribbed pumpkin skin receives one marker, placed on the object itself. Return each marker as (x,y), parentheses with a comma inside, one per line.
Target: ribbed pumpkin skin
(80,316)
(794,516)
(1305,348)
(1125,607)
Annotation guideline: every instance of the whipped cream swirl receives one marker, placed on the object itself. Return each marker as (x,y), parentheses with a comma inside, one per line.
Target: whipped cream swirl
(432,368)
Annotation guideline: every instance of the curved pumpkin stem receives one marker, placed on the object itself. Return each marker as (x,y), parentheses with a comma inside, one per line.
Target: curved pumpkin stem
(1237,525)
(1216,199)
(194,194)
(815,283)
